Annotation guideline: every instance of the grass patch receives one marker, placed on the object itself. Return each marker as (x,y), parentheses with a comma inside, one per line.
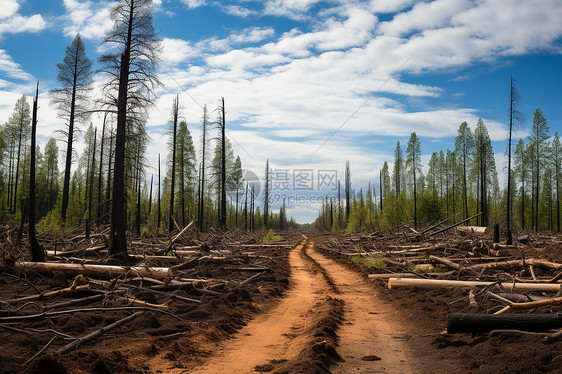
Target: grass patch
(271,237)
(376,262)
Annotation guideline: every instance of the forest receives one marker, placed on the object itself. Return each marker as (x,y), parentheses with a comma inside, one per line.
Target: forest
(460,183)
(205,185)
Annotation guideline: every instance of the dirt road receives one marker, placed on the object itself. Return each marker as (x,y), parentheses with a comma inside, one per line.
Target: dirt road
(282,337)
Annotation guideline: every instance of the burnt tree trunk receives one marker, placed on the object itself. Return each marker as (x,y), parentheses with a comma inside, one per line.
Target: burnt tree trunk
(37,253)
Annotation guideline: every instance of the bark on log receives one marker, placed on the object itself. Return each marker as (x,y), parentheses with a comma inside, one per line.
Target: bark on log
(101,271)
(430,284)
(513,264)
(483,323)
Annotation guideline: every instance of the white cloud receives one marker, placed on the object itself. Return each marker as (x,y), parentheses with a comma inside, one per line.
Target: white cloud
(90,19)
(8,8)
(16,24)
(238,11)
(11,68)
(294,9)
(192,4)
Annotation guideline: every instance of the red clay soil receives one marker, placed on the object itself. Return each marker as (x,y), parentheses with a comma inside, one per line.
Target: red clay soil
(149,339)
(422,315)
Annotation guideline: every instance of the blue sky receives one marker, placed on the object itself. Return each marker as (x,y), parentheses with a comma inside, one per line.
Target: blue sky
(293,72)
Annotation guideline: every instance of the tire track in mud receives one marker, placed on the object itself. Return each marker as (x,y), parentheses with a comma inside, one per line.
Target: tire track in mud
(331,321)
(297,335)
(371,339)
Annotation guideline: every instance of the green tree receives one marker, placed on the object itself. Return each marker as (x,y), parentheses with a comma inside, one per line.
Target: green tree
(19,129)
(464,148)
(186,171)
(521,171)
(413,163)
(556,158)
(71,101)
(485,164)
(539,139)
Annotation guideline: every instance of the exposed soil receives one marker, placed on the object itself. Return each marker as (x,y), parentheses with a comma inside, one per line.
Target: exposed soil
(312,311)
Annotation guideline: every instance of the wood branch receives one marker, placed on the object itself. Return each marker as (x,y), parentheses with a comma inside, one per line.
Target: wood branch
(430,284)
(455,224)
(96,334)
(483,323)
(394,275)
(445,262)
(513,264)
(64,291)
(531,305)
(422,249)
(40,352)
(101,271)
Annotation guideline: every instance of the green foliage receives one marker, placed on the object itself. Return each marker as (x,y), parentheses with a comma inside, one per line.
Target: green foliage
(271,237)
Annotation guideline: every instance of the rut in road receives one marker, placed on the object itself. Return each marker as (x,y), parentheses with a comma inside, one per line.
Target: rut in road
(299,333)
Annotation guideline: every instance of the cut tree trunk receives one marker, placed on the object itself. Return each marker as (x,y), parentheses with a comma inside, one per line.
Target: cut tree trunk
(430,284)
(483,323)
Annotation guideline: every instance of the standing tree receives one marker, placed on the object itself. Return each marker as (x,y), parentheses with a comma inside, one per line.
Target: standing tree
(347,191)
(185,170)
(521,171)
(51,163)
(222,126)
(37,253)
(556,155)
(71,101)
(413,153)
(538,138)
(514,116)
(19,129)
(485,163)
(266,196)
(204,155)
(398,169)
(464,147)
(130,65)
(174,129)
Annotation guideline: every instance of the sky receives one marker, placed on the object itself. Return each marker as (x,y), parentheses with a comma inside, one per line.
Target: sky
(309,84)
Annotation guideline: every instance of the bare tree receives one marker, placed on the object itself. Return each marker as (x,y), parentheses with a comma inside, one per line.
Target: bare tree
(130,64)
(514,117)
(37,253)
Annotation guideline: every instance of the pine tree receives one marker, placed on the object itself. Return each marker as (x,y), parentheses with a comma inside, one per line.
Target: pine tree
(556,159)
(464,148)
(514,116)
(71,101)
(130,64)
(539,139)
(413,152)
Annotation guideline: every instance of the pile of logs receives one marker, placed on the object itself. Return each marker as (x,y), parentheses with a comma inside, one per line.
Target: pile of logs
(175,269)
(526,286)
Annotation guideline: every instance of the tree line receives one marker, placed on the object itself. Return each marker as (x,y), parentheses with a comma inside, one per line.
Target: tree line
(108,182)
(459,183)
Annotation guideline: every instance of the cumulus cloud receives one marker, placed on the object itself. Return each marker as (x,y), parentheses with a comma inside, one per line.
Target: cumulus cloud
(90,19)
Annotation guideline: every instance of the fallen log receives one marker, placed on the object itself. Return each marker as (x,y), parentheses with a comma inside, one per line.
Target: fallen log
(483,323)
(430,284)
(513,264)
(102,271)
